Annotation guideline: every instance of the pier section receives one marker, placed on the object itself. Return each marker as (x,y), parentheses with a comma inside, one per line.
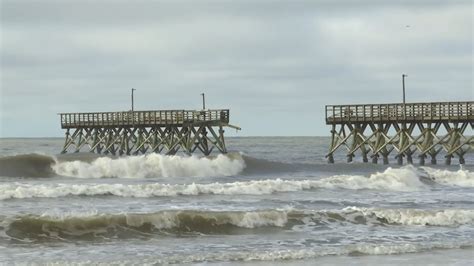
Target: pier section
(407,130)
(138,132)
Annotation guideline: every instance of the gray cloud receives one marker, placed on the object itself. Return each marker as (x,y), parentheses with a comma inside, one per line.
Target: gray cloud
(271,62)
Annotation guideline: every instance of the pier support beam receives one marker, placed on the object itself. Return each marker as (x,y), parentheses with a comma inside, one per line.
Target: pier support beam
(422,159)
(168,140)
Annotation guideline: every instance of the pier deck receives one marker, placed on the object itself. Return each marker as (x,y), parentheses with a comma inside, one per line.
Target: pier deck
(134,132)
(422,128)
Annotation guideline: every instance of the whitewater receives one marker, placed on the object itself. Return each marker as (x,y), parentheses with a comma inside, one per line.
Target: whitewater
(268,201)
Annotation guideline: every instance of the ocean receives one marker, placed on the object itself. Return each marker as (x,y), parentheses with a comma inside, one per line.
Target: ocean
(269,201)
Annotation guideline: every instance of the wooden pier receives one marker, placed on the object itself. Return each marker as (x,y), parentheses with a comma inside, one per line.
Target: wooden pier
(422,129)
(138,132)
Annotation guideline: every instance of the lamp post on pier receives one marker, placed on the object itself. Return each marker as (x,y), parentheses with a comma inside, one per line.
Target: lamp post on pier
(132,97)
(403,139)
(133,114)
(203,101)
(404,103)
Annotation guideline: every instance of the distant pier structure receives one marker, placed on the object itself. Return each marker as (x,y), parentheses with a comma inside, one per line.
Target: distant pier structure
(138,132)
(408,130)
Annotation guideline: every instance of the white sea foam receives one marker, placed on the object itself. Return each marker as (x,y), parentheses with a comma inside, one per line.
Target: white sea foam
(162,220)
(462,178)
(392,179)
(285,255)
(261,218)
(449,217)
(59,215)
(153,165)
(258,187)
(404,179)
(396,179)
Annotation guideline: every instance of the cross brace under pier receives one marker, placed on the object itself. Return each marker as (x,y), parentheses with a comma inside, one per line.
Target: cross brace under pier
(167,140)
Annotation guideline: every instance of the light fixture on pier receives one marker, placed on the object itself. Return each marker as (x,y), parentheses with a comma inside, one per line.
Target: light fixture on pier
(203,101)
(132,97)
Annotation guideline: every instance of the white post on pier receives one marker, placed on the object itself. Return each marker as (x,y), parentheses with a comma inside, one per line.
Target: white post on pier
(404,103)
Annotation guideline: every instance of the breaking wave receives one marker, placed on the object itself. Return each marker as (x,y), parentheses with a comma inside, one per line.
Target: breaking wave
(407,178)
(27,165)
(462,178)
(257,187)
(394,179)
(402,179)
(149,165)
(91,226)
(94,226)
(450,217)
(153,165)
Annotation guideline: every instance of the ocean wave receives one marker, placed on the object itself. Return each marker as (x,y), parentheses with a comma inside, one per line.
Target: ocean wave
(395,179)
(254,187)
(153,165)
(407,178)
(402,179)
(149,165)
(157,165)
(275,256)
(257,187)
(94,226)
(450,217)
(262,166)
(462,178)
(27,165)
(298,254)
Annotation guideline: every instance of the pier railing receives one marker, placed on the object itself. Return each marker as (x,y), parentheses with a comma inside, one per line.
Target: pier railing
(398,112)
(144,118)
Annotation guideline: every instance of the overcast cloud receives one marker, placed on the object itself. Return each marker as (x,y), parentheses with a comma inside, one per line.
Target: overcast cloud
(275,64)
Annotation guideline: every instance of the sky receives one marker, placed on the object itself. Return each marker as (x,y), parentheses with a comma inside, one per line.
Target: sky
(274,64)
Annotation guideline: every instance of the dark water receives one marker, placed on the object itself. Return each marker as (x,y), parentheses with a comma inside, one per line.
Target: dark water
(269,201)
